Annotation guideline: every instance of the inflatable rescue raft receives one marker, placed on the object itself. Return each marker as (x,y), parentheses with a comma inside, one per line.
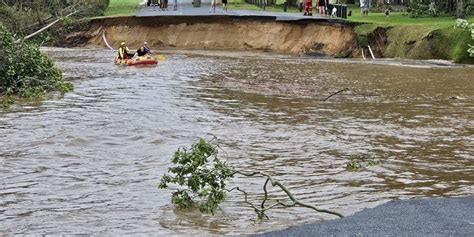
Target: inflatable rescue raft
(142,60)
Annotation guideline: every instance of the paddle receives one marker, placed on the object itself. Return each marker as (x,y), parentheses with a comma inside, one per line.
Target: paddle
(160,57)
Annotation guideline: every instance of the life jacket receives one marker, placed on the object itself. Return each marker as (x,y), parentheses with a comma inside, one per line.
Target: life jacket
(124,53)
(147,50)
(141,53)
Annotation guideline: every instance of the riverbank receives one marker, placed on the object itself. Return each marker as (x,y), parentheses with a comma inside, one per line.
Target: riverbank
(414,217)
(195,28)
(416,42)
(317,36)
(399,36)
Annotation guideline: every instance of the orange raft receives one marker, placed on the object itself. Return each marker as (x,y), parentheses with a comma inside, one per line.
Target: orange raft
(142,60)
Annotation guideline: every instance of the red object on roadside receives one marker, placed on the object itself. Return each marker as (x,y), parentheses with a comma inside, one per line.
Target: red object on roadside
(308,8)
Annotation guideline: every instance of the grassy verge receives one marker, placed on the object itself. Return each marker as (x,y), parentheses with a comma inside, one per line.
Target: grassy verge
(122,7)
(427,42)
(401,18)
(416,38)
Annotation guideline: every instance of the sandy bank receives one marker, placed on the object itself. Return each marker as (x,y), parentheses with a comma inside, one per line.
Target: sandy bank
(332,38)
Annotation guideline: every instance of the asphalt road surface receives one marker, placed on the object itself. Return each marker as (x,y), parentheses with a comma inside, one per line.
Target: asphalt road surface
(414,217)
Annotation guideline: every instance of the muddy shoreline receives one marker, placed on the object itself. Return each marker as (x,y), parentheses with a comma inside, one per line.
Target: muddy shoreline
(321,37)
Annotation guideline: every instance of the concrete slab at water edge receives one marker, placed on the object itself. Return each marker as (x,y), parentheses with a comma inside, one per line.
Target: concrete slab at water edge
(187,9)
(414,217)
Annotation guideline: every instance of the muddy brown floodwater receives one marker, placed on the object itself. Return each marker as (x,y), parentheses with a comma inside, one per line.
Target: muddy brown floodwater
(90,162)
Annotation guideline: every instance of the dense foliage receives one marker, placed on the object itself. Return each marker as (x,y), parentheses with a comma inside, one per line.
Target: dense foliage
(463,24)
(26,16)
(418,8)
(459,8)
(200,175)
(26,71)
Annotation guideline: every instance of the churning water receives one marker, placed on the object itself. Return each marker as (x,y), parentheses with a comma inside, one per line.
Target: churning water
(90,162)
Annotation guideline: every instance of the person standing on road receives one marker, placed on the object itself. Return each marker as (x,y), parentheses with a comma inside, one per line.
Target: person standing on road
(224,5)
(322,7)
(164,5)
(213,6)
(308,8)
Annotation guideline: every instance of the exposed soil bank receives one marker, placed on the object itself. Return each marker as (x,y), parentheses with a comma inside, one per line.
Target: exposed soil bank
(319,37)
(416,42)
(327,37)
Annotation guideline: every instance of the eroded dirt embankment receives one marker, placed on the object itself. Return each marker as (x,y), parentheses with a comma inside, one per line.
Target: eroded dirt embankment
(331,38)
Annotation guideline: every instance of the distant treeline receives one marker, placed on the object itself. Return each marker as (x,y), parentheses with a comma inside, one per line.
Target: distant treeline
(459,8)
(23,15)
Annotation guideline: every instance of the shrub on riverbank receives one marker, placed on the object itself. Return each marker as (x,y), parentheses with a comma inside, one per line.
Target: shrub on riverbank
(24,19)
(25,71)
(415,41)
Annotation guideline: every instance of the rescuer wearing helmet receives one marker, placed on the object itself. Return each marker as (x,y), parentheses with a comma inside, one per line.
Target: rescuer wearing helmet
(123,52)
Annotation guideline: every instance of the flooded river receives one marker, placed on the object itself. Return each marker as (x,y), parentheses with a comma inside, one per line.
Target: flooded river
(90,162)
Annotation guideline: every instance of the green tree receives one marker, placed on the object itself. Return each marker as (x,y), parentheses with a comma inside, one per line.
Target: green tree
(26,71)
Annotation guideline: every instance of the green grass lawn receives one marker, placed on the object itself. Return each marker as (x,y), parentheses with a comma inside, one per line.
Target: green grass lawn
(446,42)
(395,18)
(122,7)
(401,18)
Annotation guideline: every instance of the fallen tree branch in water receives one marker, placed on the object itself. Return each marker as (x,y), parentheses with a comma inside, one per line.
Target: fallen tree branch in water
(335,93)
(200,179)
(295,202)
(259,212)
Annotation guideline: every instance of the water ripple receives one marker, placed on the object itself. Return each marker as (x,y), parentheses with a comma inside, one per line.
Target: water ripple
(89,162)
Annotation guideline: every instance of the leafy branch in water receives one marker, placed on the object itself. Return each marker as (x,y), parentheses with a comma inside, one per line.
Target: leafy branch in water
(200,175)
(359,161)
(270,180)
(199,178)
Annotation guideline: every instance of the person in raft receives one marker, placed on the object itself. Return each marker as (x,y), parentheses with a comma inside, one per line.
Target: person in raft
(141,52)
(123,52)
(147,49)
